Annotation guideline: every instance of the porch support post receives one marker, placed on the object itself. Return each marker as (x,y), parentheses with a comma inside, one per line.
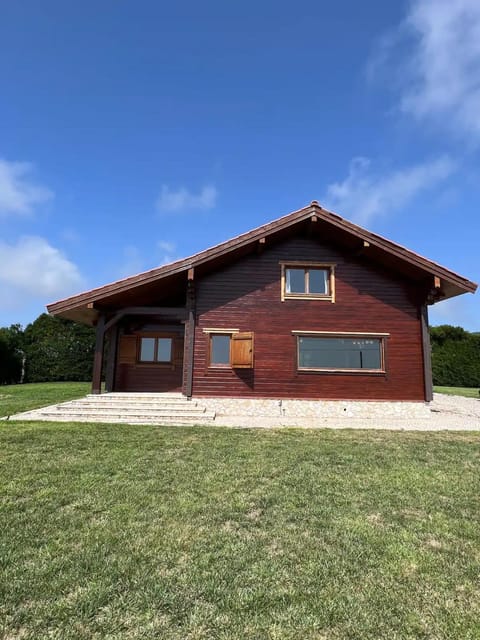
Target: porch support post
(189,336)
(111,358)
(427,355)
(98,357)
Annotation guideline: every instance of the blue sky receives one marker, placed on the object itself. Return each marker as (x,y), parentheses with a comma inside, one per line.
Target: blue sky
(135,133)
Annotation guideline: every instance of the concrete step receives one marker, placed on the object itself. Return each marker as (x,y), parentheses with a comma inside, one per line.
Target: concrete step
(180,421)
(128,408)
(138,394)
(123,404)
(115,417)
(94,411)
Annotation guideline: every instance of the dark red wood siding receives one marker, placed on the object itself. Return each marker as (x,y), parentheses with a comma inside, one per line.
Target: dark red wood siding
(246,296)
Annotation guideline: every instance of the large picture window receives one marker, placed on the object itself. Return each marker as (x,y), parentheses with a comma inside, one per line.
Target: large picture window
(311,281)
(362,353)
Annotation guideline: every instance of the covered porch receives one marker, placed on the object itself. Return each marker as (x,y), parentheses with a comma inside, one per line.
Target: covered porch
(145,349)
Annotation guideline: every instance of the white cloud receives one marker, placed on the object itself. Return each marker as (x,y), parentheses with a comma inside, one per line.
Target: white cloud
(170,201)
(168,250)
(32,268)
(168,247)
(434,57)
(364,195)
(18,193)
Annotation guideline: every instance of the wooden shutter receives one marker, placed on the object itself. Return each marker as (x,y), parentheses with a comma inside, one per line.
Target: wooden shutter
(127,349)
(241,350)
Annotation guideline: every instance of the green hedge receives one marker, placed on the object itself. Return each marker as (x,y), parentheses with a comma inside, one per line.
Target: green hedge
(455,357)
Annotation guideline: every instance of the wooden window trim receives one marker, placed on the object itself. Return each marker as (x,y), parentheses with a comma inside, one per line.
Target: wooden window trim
(221,331)
(167,364)
(330,297)
(382,337)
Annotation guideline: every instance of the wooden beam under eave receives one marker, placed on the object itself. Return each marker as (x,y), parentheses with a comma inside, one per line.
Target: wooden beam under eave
(191,274)
(260,245)
(437,283)
(363,247)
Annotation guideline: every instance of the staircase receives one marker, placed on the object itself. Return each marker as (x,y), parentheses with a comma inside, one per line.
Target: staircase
(127,408)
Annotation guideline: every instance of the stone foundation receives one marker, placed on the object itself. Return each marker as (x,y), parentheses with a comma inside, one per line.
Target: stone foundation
(259,412)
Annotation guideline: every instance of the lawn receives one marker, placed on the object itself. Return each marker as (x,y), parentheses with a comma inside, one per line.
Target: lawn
(112,532)
(15,398)
(468,392)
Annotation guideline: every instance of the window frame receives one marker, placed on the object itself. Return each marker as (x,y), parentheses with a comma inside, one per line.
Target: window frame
(381,337)
(209,331)
(156,337)
(307,265)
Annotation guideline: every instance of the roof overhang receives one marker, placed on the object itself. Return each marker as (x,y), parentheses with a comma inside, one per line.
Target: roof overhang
(440,283)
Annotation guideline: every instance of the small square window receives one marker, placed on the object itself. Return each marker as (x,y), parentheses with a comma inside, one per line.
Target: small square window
(313,281)
(155,349)
(232,350)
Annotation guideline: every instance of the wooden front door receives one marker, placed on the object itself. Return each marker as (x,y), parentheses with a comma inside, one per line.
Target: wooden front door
(150,361)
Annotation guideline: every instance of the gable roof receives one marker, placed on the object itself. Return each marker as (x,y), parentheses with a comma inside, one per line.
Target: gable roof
(398,258)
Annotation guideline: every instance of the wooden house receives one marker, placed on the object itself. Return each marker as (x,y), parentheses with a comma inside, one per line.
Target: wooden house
(309,306)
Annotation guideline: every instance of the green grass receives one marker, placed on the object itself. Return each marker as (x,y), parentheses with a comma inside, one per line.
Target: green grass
(468,392)
(15,398)
(114,531)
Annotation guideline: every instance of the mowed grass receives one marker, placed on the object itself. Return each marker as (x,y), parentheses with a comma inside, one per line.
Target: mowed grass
(114,531)
(468,392)
(15,398)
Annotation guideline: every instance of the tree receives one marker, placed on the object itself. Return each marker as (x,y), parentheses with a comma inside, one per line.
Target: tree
(58,350)
(11,354)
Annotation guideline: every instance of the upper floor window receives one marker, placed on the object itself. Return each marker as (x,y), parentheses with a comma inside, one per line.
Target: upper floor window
(308,280)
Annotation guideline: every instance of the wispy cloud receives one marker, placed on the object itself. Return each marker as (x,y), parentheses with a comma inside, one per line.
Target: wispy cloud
(19,194)
(33,268)
(168,250)
(434,59)
(364,195)
(136,260)
(133,262)
(182,200)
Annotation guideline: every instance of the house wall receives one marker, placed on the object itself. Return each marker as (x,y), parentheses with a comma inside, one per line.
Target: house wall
(247,296)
